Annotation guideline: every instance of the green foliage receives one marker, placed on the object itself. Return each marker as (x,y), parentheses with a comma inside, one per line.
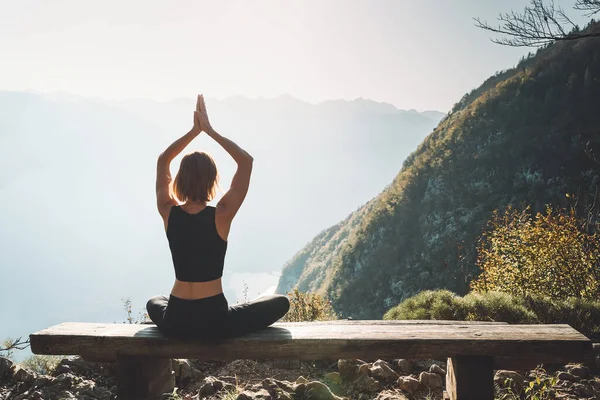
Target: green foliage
(528,135)
(429,304)
(581,314)
(550,254)
(308,307)
(41,364)
(540,387)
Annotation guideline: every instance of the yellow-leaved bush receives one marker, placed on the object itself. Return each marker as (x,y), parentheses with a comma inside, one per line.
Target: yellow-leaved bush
(549,254)
(308,307)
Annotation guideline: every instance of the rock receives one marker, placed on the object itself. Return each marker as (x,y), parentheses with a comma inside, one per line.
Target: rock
(61,369)
(364,383)
(409,384)
(595,384)
(512,379)
(6,367)
(300,389)
(356,374)
(333,377)
(262,394)
(382,371)
(75,365)
(286,386)
(66,394)
(364,369)
(281,395)
(390,395)
(430,380)
(65,381)
(37,395)
(349,369)
(319,391)
(211,385)
(436,369)
(84,386)
(184,370)
(566,376)
(21,374)
(404,365)
(301,380)
(580,371)
(41,381)
(581,390)
(280,390)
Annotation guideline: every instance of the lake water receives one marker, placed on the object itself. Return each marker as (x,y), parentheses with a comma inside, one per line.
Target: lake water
(103,303)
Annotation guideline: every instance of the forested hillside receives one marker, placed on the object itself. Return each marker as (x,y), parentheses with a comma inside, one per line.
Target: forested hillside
(526,136)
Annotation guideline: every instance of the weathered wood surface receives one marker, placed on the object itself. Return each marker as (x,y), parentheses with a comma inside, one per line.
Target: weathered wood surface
(470,378)
(529,345)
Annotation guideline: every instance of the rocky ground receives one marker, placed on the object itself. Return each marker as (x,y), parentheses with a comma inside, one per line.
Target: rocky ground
(75,378)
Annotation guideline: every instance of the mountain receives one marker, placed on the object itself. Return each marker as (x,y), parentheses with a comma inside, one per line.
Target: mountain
(528,135)
(79,222)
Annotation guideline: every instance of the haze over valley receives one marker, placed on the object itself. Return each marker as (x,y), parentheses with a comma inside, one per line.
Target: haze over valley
(81,229)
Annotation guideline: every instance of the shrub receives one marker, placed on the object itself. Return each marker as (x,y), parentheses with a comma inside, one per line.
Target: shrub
(581,314)
(496,306)
(41,364)
(429,304)
(551,254)
(141,318)
(308,307)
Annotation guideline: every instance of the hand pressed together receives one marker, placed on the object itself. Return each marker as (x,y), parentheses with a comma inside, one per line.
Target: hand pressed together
(201,122)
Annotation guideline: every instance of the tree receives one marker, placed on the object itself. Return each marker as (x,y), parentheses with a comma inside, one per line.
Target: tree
(541,23)
(551,254)
(308,307)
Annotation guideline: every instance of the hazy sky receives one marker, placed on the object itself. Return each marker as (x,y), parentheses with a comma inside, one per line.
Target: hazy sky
(421,54)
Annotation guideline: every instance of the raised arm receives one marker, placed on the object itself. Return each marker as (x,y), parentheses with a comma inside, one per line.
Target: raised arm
(231,201)
(164,195)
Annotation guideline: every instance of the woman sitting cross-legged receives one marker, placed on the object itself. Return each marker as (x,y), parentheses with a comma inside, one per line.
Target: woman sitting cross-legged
(197,235)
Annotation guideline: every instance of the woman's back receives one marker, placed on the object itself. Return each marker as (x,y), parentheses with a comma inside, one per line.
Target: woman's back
(197,250)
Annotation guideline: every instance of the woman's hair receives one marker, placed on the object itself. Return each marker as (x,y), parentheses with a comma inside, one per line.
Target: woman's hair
(197,178)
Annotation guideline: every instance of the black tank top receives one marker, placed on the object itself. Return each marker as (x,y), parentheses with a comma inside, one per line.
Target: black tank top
(197,249)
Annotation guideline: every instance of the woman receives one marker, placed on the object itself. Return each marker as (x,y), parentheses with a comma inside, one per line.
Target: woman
(197,236)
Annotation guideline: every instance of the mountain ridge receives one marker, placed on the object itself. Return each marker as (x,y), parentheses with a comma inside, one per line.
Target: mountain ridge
(523,136)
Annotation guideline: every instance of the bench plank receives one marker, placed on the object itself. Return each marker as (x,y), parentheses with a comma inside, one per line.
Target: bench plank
(326,340)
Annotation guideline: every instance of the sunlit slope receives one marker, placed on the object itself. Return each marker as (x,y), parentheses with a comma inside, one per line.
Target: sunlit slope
(528,135)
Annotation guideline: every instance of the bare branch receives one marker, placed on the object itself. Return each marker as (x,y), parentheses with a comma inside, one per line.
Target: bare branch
(540,23)
(591,6)
(17,344)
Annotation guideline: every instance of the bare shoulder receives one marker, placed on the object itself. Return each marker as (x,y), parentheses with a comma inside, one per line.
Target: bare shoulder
(165,210)
(222,221)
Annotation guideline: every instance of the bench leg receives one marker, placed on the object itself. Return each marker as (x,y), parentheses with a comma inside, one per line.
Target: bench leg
(141,377)
(470,378)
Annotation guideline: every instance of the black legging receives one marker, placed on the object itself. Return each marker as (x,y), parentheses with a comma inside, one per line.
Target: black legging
(212,318)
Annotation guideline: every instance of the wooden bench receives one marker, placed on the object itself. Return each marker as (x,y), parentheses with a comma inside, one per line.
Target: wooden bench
(474,350)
